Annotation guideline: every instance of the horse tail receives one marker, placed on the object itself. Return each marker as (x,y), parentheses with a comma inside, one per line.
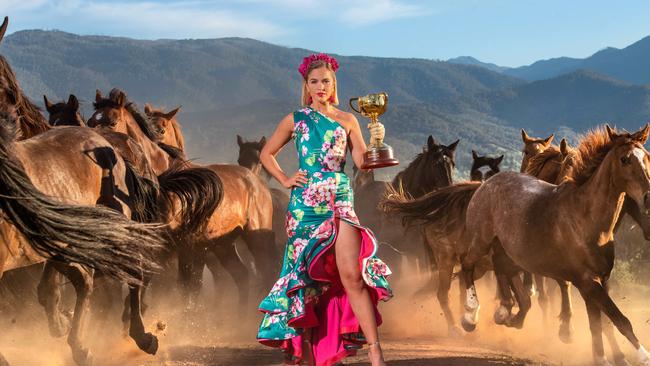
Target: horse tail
(95,236)
(444,206)
(198,192)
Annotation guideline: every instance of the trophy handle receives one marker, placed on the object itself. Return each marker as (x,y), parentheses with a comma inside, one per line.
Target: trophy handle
(352,106)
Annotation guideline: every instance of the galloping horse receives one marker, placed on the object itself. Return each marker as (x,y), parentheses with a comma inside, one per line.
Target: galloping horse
(245,210)
(87,172)
(565,231)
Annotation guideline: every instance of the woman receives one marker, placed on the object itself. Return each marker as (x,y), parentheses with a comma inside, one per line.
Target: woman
(323,307)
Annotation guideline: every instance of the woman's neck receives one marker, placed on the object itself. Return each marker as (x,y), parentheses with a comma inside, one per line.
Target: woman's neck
(324,108)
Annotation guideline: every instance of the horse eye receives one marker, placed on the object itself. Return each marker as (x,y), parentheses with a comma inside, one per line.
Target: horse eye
(626,160)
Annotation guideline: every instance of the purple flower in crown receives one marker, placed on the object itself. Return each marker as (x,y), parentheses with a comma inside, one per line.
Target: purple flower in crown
(304,66)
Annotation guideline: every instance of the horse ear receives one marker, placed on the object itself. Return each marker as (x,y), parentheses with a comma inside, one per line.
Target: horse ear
(262,141)
(48,105)
(73,102)
(548,140)
(564,148)
(430,142)
(147,109)
(120,99)
(524,136)
(172,113)
(642,135)
(240,141)
(498,160)
(98,96)
(3,27)
(611,133)
(474,155)
(453,145)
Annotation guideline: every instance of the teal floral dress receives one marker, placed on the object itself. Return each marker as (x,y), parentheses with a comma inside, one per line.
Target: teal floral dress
(309,293)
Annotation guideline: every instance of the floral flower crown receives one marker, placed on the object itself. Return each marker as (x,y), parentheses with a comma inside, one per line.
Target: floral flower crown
(304,66)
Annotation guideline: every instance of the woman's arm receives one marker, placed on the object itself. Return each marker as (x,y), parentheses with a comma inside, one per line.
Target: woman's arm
(357,144)
(275,143)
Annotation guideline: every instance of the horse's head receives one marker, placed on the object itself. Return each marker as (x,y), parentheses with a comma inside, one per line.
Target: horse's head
(532,147)
(249,153)
(166,125)
(440,163)
(111,112)
(64,113)
(483,167)
(630,164)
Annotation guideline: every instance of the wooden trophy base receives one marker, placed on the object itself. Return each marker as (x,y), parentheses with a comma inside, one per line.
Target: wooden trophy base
(379,157)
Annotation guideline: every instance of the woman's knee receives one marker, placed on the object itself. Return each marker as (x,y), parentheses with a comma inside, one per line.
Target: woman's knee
(351,277)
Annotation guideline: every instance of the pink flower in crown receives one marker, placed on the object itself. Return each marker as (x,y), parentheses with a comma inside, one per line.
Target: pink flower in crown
(304,66)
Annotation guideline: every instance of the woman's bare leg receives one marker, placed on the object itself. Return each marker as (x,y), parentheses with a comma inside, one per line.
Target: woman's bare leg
(347,249)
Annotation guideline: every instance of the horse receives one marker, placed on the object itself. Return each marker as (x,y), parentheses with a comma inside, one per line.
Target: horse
(64,113)
(480,162)
(444,240)
(245,209)
(565,231)
(87,172)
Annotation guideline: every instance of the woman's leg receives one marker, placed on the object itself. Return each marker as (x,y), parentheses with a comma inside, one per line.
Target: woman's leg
(347,249)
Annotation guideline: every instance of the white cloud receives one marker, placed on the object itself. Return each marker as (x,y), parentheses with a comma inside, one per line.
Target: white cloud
(365,12)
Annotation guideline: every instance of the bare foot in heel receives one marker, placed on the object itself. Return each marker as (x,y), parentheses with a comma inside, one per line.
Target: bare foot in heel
(375,354)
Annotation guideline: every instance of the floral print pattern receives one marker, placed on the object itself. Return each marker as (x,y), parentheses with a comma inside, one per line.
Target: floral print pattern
(310,223)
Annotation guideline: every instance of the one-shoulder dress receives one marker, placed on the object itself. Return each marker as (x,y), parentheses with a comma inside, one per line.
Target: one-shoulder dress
(309,293)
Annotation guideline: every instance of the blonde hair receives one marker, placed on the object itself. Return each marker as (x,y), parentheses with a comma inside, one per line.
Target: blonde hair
(305,97)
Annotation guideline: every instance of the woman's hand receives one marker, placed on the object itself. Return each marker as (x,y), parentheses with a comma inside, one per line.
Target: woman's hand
(297,180)
(377,131)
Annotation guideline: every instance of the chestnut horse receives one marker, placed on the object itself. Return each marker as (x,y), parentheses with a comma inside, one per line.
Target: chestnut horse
(477,172)
(245,210)
(564,231)
(87,172)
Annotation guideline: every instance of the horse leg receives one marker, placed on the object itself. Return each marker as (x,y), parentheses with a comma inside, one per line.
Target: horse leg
(608,330)
(523,299)
(595,292)
(506,300)
(49,296)
(145,341)
(191,260)
(542,299)
(595,326)
(127,314)
(227,256)
(477,250)
(566,329)
(260,242)
(529,284)
(445,272)
(82,281)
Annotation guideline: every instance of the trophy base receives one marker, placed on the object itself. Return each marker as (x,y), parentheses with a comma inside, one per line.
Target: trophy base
(379,157)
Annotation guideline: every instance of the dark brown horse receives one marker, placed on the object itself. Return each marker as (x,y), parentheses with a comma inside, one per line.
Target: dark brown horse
(64,113)
(89,172)
(565,232)
(245,210)
(483,167)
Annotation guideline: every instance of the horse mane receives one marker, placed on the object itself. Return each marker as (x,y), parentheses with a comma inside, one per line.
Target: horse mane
(173,151)
(140,118)
(409,174)
(589,154)
(32,122)
(537,162)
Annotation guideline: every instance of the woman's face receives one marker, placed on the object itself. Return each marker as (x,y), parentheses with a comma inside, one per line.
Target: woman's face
(320,84)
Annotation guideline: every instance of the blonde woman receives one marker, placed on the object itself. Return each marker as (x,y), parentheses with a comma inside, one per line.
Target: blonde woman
(324,306)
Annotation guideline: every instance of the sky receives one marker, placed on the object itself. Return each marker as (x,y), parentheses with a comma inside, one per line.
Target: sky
(506,32)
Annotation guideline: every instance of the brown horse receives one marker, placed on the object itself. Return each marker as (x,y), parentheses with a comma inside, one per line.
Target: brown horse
(64,113)
(245,210)
(565,231)
(87,171)
(444,240)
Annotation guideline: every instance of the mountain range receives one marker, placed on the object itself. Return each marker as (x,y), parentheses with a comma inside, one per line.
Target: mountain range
(232,86)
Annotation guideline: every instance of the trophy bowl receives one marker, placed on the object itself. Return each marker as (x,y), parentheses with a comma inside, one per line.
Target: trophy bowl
(378,154)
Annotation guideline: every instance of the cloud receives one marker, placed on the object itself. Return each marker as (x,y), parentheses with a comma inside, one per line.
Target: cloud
(365,12)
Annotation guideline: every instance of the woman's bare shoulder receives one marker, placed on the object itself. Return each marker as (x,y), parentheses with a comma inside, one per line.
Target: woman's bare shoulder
(349,119)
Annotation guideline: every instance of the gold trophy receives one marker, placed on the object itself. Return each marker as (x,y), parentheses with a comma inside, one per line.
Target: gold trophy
(378,155)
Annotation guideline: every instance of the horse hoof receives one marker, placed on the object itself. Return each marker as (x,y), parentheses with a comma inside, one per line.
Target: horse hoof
(468,325)
(602,362)
(501,315)
(619,360)
(566,335)
(517,323)
(83,357)
(148,343)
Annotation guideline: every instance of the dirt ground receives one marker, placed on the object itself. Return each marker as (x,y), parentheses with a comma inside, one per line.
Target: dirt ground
(414,332)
